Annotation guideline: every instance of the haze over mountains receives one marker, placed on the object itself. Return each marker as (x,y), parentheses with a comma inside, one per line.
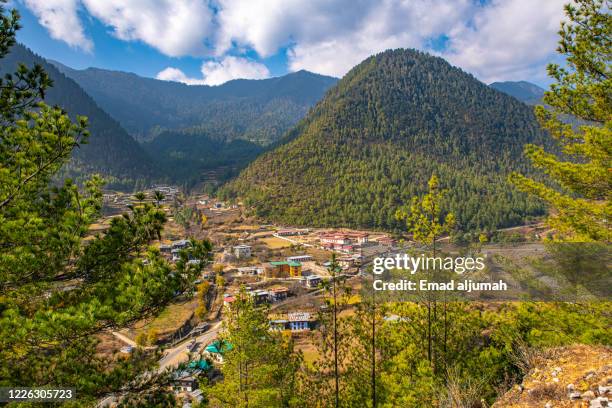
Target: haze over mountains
(376,138)
(260,111)
(524,91)
(110,150)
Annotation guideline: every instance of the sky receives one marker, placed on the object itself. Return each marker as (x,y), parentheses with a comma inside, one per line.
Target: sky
(213,41)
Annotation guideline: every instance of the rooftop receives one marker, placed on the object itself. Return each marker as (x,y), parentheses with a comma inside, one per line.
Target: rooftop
(290,263)
(219,347)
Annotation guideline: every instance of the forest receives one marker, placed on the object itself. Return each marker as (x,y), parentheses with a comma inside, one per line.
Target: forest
(378,135)
(259,111)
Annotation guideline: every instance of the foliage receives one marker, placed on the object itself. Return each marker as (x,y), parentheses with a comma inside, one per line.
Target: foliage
(479,358)
(376,138)
(260,370)
(423,218)
(190,156)
(61,288)
(333,345)
(581,210)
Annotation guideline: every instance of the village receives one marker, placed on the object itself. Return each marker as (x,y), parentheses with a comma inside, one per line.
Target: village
(284,269)
(279,266)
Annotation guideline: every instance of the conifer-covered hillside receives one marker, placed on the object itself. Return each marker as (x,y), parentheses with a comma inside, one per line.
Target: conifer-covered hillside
(377,137)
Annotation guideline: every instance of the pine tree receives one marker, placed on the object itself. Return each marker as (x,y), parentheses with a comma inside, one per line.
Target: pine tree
(364,361)
(60,290)
(424,219)
(333,344)
(261,367)
(581,208)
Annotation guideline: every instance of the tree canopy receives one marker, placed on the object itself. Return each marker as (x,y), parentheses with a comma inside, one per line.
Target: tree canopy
(579,198)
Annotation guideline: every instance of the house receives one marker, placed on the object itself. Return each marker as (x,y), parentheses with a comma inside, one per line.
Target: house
(217,349)
(259,296)
(346,261)
(165,249)
(181,244)
(242,251)
(334,239)
(291,232)
(283,269)
(278,293)
(343,241)
(196,396)
(299,258)
(251,270)
(185,382)
(312,281)
(295,321)
(228,300)
(201,365)
(387,241)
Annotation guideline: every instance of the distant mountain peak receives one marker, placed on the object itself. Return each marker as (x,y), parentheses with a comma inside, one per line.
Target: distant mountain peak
(524,91)
(255,110)
(110,149)
(375,139)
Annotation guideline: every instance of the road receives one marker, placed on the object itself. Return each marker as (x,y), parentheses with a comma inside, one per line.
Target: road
(173,356)
(180,353)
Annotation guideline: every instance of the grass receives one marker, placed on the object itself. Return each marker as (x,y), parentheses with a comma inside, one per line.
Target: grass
(276,243)
(309,352)
(169,320)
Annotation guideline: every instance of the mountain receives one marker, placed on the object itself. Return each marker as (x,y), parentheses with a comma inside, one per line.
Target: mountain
(110,151)
(191,156)
(259,111)
(377,137)
(524,91)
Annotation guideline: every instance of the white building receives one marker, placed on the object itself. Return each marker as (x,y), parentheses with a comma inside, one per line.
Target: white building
(312,281)
(251,270)
(242,251)
(299,258)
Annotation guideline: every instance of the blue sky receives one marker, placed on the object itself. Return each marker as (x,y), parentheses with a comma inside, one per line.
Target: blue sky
(212,41)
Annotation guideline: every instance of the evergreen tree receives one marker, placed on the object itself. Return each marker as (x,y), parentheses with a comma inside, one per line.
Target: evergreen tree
(333,346)
(260,368)
(424,219)
(59,291)
(364,361)
(376,138)
(581,210)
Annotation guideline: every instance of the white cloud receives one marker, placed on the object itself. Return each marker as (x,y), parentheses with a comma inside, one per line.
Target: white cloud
(330,37)
(219,72)
(176,75)
(60,18)
(502,39)
(392,24)
(174,27)
(508,39)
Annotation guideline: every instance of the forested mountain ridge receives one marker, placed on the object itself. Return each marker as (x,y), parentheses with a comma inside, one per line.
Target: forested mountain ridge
(259,111)
(110,150)
(191,156)
(373,142)
(524,91)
